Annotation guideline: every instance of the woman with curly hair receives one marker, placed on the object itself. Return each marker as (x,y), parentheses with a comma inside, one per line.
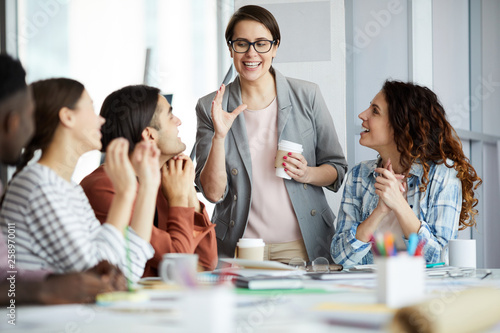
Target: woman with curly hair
(421,183)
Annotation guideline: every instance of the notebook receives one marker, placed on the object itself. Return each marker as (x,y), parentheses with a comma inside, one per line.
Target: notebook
(268,282)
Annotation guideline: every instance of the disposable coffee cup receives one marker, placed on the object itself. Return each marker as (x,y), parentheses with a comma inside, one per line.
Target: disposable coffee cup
(250,248)
(284,147)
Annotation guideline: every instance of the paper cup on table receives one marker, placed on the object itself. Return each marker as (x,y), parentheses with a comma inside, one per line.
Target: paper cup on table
(250,248)
(284,147)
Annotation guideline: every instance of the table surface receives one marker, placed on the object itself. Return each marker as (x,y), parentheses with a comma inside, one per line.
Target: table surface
(323,306)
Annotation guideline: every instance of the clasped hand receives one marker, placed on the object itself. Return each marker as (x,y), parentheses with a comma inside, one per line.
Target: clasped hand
(178,180)
(390,187)
(143,164)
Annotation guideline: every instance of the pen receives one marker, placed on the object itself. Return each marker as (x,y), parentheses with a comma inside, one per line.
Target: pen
(420,247)
(374,246)
(412,244)
(380,244)
(389,244)
(434,265)
(129,262)
(488,273)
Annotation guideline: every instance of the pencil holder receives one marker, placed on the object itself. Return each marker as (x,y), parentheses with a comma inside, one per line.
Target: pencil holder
(400,280)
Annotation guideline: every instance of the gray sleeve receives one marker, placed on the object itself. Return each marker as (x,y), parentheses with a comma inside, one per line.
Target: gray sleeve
(328,149)
(204,134)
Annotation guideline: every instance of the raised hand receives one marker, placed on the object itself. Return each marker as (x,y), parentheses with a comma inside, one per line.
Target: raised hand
(118,167)
(223,120)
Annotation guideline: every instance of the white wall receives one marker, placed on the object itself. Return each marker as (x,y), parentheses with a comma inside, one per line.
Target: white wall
(395,50)
(490,79)
(451,59)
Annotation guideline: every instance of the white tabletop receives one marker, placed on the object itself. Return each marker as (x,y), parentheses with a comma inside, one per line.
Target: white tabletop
(324,306)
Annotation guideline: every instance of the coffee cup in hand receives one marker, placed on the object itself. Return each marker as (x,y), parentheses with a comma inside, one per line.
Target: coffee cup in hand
(285,147)
(250,248)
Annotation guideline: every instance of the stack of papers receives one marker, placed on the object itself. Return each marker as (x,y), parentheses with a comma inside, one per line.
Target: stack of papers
(249,268)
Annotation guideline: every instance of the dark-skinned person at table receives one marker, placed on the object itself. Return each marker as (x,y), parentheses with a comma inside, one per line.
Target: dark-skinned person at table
(41,286)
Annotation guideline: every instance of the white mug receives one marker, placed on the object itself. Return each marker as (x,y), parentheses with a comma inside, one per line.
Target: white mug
(461,252)
(179,268)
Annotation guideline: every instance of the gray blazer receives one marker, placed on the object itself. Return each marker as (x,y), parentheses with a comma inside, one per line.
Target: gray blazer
(303,117)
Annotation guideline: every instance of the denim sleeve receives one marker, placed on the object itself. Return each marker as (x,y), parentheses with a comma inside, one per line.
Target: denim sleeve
(346,249)
(440,223)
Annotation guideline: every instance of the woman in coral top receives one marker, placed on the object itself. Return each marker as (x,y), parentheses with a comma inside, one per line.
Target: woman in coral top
(181,223)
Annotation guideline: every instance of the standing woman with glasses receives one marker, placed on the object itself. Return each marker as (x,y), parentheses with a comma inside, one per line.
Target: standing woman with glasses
(236,153)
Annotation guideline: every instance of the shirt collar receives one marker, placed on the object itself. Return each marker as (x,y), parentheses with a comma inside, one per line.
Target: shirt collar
(416,168)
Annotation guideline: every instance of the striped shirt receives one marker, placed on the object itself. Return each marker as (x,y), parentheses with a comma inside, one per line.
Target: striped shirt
(56,228)
(438,209)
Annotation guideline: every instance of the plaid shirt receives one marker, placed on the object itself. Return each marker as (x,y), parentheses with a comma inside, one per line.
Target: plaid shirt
(438,209)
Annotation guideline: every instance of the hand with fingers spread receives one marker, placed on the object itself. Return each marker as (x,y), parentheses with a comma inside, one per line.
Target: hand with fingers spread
(389,187)
(145,160)
(177,181)
(295,165)
(118,167)
(223,120)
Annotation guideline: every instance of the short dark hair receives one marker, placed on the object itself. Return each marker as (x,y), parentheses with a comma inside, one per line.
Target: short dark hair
(12,76)
(254,13)
(128,111)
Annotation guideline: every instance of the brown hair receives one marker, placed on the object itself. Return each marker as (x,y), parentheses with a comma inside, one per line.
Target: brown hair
(254,13)
(50,97)
(422,133)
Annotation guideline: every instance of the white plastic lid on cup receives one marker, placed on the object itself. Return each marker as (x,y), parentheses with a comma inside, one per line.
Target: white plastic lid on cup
(290,146)
(250,242)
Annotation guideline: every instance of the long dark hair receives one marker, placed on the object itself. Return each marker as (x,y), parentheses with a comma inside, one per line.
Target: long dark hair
(422,133)
(50,97)
(128,111)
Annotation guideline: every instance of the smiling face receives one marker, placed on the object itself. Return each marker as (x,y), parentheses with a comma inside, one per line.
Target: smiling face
(88,129)
(167,138)
(252,65)
(377,131)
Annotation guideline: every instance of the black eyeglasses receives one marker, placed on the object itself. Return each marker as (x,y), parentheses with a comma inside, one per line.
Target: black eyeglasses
(242,46)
